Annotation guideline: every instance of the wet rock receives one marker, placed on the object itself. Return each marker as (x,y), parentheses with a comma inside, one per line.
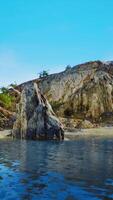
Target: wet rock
(35,118)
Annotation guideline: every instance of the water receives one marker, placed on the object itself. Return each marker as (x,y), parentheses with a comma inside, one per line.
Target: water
(69,170)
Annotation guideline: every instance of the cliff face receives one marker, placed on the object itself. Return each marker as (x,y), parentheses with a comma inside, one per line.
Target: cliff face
(35,118)
(84,92)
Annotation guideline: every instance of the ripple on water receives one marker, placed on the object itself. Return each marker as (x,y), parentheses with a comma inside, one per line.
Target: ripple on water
(80,169)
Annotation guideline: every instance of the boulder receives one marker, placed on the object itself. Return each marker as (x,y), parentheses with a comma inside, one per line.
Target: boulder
(35,118)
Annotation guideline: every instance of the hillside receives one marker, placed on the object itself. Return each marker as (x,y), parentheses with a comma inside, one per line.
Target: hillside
(82,92)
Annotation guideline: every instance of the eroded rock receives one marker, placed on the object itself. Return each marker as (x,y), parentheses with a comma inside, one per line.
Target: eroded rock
(35,118)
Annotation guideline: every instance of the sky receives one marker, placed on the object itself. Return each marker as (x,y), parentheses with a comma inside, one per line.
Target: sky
(38,35)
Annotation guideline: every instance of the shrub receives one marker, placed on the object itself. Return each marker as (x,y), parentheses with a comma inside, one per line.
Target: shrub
(6,100)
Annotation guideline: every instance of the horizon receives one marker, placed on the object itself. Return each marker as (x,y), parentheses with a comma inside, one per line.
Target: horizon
(50,35)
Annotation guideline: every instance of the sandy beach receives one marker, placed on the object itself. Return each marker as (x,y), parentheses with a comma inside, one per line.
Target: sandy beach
(4,133)
(102,131)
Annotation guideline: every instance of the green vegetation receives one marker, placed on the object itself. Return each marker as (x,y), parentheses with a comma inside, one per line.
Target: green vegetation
(68,67)
(6,100)
(13,85)
(4,90)
(44,73)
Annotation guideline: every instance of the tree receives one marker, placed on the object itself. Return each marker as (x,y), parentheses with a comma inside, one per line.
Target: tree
(68,67)
(13,85)
(4,90)
(44,73)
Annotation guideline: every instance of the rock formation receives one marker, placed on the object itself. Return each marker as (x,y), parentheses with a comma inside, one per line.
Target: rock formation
(82,92)
(35,118)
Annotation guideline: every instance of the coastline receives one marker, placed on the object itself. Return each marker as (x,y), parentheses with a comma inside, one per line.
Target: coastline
(74,133)
(100,131)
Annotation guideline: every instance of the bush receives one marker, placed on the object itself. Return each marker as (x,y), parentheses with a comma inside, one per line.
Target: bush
(6,100)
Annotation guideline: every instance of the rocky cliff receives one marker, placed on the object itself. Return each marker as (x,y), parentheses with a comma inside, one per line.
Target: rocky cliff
(35,118)
(82,92)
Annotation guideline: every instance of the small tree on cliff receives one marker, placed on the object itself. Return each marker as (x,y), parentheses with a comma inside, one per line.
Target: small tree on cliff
(4,90)
(13,85)
(68,67)
(44,73)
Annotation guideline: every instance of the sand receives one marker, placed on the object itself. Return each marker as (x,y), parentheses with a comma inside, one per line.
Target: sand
(4,133)
(102,131)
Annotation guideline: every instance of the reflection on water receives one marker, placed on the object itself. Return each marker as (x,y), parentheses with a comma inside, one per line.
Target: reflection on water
(80,169)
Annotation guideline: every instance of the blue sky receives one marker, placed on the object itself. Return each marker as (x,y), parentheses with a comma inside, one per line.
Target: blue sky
(50,34)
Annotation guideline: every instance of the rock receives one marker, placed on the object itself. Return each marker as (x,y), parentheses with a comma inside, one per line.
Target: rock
(6,119)
(85,124)
(107,118)
(35,118)
(85,91)
(70,123)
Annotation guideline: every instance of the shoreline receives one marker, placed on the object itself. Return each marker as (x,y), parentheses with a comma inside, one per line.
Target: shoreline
(5,133)
(100,131)
(72,134)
